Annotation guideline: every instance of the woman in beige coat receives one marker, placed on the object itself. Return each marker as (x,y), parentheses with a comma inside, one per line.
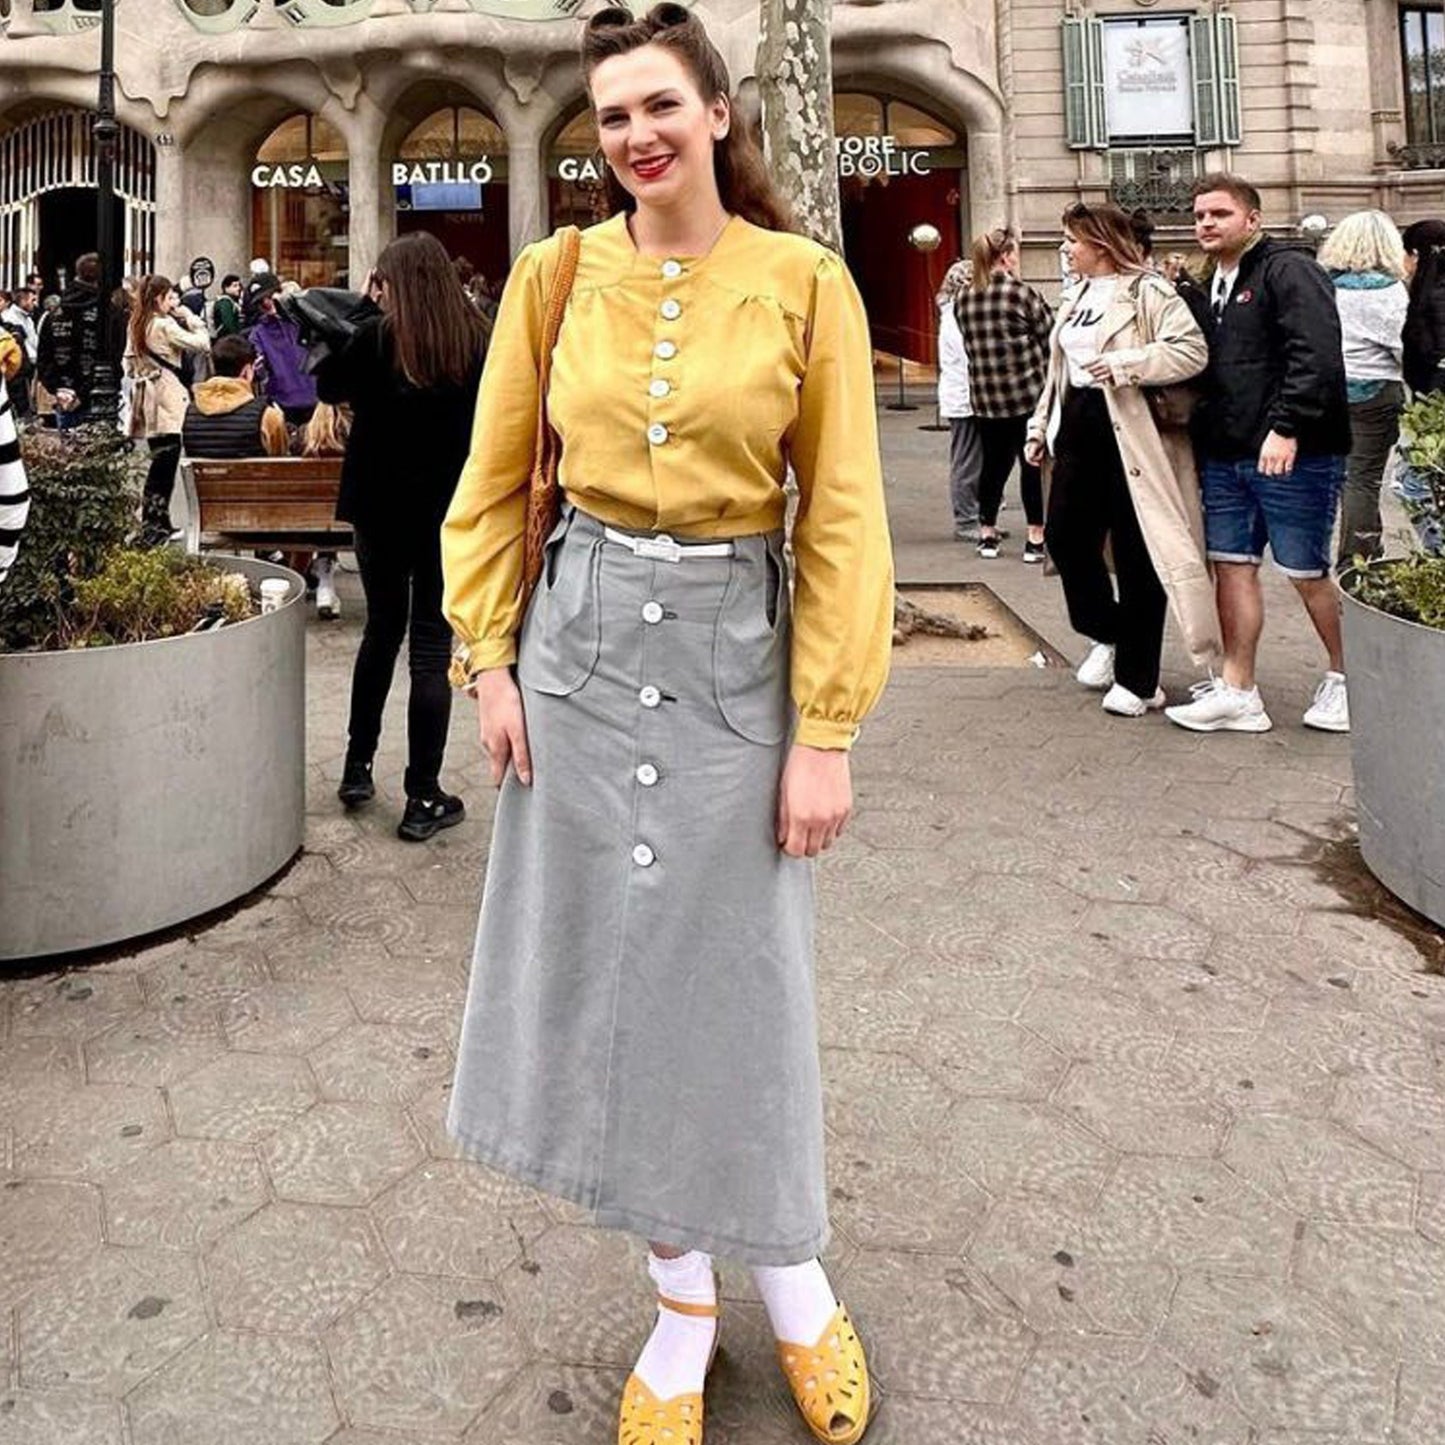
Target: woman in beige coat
(161,332)
(1118,475)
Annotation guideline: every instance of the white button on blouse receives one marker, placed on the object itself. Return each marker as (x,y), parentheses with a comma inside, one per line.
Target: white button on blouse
(665,350)
(671,309)
(649,696)
(672,269)
(660,387)
(652,612)
(657,433)
(647,775)
(643,856)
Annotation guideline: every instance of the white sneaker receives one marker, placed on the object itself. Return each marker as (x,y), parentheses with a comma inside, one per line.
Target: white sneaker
(328,604)
(1123,703)
(1330,711)
(1218,707)
(1097,669)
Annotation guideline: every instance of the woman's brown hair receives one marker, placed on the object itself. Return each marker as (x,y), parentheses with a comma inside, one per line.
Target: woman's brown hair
(743,182)
(1112,230)
(147,307)
(436,333)
(988,250)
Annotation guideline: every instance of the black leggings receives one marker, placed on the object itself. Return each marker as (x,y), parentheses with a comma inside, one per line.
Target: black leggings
(1002,438)
(1089,500)
(401,574)
(160,482)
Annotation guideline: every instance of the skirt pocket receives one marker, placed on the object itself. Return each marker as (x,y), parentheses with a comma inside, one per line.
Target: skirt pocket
(750,647)
(562,633)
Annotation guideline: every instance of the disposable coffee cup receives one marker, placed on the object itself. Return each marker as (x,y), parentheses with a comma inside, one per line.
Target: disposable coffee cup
(274,591)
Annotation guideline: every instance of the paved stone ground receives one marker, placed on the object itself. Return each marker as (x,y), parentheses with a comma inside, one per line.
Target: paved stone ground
(1137,1111)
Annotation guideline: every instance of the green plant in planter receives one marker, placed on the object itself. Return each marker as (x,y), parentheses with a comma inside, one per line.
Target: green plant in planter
(75,583)
(1414,587)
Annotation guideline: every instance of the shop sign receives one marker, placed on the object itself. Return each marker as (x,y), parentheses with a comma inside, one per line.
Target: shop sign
(442,173)
(298,176)
(579,168)
(1149,85)
(879,155)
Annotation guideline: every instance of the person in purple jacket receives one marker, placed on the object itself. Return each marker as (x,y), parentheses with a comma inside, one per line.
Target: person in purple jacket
(281,358)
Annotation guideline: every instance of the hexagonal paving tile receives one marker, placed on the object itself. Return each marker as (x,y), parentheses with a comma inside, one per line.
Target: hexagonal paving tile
(204,975)
(1011,1147)
(412,993)
(1043,1259)
(934,1326)
(356,906)
(1194,1211)
(293,1268)
(871,1094)
(85,1133)
(915,1420)
(243,1097)
(1317,1170)
(287,1018)
(1401,1118)
(1282,1358)
(32,1068)
(901,1197)
(1421,1405)
(74,1005)
(159,1045)
(381,1063)
(237,1389)
(1101,1023)
(1387,1284)
(1430,1216)
(458,1219)
(424,1354)
(44,1229)
(1141,1109)
(49,1417)
(108,1323)
(980,1057)
(1093,1390)
(1148,931)
(550,1404)
(183,1194)
(583,1297)
(340,1154)
(1250,1075)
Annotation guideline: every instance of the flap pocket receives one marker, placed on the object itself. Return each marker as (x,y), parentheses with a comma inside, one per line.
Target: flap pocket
(750,647)
(562,633)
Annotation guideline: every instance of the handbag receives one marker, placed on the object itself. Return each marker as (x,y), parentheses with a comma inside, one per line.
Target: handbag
(1173,406)
(544,500)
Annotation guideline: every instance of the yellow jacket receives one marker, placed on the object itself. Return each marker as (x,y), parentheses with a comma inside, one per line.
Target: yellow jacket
(682,390)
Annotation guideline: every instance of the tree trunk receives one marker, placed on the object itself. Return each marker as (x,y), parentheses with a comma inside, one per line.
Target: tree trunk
(795,80)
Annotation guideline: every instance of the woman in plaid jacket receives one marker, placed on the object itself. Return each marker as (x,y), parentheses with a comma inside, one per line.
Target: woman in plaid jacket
(1005,325)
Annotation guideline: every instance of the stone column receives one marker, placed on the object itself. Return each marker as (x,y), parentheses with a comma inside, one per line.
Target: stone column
(989,203)
(526,178)
(176,242)
(372,216)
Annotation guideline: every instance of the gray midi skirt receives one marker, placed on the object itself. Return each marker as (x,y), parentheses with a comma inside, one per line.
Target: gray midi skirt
(640,1034)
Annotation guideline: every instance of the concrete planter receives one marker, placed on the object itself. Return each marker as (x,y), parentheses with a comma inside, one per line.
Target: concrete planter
(143,785)
(1397,700)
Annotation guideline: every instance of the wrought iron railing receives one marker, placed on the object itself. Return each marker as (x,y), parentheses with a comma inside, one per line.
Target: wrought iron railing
(1160,182)
(1424,156)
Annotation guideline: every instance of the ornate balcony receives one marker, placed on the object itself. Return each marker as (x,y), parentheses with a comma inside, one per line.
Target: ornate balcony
(1425,156)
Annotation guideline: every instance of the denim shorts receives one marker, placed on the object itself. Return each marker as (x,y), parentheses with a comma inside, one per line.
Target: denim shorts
(1294,514)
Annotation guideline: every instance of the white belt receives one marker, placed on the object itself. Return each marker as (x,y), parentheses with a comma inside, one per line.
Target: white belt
(659,547)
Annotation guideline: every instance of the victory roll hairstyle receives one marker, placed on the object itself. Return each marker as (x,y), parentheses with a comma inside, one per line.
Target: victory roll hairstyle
(743,182)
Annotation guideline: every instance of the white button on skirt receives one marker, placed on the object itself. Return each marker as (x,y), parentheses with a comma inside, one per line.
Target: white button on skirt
(642,1039)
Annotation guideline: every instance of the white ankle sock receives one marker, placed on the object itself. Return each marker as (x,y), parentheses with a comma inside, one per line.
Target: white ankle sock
(674,1360)
(799,1300)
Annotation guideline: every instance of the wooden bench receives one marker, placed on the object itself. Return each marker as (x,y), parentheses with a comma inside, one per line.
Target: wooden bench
(264,502)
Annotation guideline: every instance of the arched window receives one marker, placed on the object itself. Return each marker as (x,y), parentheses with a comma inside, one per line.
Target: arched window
(300,185)
(456,132)
(576,173)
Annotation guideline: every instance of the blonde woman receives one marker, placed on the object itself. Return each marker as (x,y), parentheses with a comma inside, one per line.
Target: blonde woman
(965,452)
(325,436)
(1365,257)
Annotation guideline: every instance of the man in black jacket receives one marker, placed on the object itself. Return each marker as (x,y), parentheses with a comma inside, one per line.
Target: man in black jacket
(1272,435)
(68,348)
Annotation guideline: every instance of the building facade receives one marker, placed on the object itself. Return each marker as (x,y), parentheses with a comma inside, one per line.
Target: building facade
(310,132)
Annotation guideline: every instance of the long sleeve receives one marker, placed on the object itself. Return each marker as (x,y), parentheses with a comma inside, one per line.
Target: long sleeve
(14,492)
(184,337)
(482,533)
(843,607)
(1176,350)
(1308,329)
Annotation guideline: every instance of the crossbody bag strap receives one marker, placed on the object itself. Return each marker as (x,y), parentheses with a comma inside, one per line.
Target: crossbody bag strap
(557,297)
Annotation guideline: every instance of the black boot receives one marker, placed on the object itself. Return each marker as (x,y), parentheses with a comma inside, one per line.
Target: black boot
(356,784)
(426,816)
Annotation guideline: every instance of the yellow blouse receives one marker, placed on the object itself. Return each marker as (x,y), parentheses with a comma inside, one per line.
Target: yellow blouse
(681,390)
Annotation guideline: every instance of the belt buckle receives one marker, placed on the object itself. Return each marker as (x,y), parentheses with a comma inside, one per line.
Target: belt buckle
(660,548)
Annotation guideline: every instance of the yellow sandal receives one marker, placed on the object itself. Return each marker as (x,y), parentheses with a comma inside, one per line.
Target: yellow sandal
(829,1381)
(646,1420)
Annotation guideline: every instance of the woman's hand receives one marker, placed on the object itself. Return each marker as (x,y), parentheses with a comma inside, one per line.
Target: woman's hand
(503,726)
(1102,370)
(815,800)
(1034,452)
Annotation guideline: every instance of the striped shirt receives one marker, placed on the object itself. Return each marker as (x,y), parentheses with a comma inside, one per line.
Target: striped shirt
(14,493)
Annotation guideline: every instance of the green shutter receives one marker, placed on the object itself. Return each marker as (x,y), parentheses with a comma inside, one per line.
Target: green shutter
(1226,36)
(1085,115)
(1203,64)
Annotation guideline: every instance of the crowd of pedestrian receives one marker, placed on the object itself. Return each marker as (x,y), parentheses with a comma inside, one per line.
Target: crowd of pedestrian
(1186,425)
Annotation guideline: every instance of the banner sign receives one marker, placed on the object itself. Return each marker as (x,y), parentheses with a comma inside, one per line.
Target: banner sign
(1149,86)
(879,155)
(442,173)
